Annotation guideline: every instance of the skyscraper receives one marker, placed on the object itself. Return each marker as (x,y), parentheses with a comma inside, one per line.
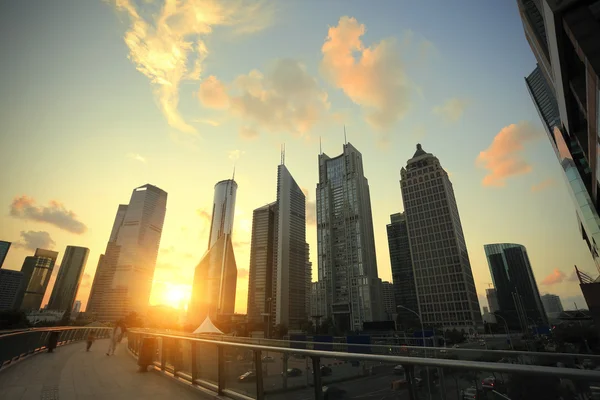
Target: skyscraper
(492,298)
(4,247)
(345,242)
(279,264)
(215,277)
(308,280)
(36,275)
(69,278)
(516,288)
(389,301)
(552,304)
(10,283)
(405,291)
(125,271)
(444,280)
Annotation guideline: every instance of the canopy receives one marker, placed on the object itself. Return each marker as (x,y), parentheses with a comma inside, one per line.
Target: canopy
(208,327)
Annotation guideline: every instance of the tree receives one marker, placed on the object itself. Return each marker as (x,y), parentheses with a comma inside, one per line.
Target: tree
(279,331)
(307,327)
(133,320)
(13,320)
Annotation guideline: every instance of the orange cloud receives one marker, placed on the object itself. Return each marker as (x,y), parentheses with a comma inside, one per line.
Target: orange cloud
(170,48)
(311,208)
(213,93)
(452,110)
(372,77)
(503,158)
(56,214)
(32,240)
(556,276)
(543,185)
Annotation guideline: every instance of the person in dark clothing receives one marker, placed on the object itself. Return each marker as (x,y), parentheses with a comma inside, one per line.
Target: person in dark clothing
(90,340)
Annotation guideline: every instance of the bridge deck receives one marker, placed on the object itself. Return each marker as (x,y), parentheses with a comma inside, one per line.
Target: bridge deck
(72,373)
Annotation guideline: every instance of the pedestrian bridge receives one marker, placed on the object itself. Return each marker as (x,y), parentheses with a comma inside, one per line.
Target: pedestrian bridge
(184,367)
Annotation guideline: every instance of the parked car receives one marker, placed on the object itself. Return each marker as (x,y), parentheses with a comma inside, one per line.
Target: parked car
(333,392)
(399,370)
(268,359)
(469,393)
(489,383)
(325,370)
(249,376)
(292,372)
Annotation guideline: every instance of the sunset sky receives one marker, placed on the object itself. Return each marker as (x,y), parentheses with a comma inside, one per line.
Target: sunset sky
(99,97)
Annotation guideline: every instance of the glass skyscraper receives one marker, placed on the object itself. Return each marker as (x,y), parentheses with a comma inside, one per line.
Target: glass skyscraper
(4,246)
(69,277)
(36,275)
(345,243)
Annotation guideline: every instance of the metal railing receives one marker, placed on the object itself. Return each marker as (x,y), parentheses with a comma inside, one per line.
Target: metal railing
(19,344)
(241,370)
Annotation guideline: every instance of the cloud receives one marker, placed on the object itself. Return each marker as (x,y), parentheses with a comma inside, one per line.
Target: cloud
(235,155)
(206,121)
(286,98)
(372,77)
(86,281)
(32,240)
(503,158)
(169,47)
(452,110)
(205,215)
(55,214)
(137,157)
(242,273)
(550,182)
(311,208)
(556,276)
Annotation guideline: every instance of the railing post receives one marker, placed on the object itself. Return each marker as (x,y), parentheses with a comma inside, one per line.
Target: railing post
(410,378)
(285,368)
(194,361)
(221,360)
(316,361)
(163,354)
(260,387)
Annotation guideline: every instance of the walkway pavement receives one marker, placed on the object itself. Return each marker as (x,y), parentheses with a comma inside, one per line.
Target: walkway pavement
(72,373)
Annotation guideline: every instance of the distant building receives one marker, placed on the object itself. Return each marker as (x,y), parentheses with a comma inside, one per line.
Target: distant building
(403,278)
(345,241)
(444,279)
(4,246)
(318,301)
(36,275)
(552,304)
(45,316)
(69,277)
(486,310)
(389,302)
(308,280)
(215,277)
(10,283)
(125,271)
(492,298)
(516,288)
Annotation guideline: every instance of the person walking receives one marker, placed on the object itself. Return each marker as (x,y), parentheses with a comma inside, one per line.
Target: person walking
(90,340)
(115,338)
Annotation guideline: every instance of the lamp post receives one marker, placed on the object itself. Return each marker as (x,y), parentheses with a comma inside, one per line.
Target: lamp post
(423,336)
(506,328)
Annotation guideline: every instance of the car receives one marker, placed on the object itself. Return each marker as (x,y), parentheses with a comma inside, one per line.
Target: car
(469,393)
(249,376)
(399,370)
(333,392)
(455,346)
(268,359)
(292,372)
(490,383)
(325,370)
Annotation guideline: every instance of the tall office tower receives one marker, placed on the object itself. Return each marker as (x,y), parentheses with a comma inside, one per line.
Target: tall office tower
(308,280)
(389,300)
(4,246)
(318,301)
(260,276)
(69,278)
(492,298)
(345,242)
(125,271)
(565,39)
(516,288)
(215,277)
(552,304)
(10,283)
(76,307)
(444,280)
(405,291)
(36,275)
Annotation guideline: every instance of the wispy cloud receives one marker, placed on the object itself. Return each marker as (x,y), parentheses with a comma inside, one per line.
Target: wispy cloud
(32,240)
(556,276)
(56,214)
(207,121)
(371,76)
(311,208)
(503,158)
(205,215)
(545,184)
(169,47)
(136,157)
(242,273)
(452,110)
(235,155)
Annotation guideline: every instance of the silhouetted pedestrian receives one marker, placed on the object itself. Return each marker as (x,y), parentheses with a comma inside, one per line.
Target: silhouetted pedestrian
(115,338)
(90,340)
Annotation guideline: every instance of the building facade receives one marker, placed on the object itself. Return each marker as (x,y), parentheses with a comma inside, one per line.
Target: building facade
(318,302)
(4,247)
(307,281)
(345,242)
(516,288)
(405,291)
(552,304)
(10,284)
(215,277)
(492,298)
(565,39)
(444,280)
(389,300)
(36,275)
(68,279)
(123,279)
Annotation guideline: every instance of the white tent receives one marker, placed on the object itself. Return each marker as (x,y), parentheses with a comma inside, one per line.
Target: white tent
(208,327)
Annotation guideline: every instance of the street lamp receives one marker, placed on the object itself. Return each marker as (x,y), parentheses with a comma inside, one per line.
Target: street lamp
(423,336)
(506,328)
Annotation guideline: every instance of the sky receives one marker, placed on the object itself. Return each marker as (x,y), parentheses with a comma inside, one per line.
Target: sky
(100,97)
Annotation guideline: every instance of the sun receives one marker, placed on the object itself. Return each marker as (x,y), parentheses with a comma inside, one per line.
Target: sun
(175,295)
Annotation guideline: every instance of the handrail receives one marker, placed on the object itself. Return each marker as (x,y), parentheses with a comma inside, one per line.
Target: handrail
(415,361)
(51,329)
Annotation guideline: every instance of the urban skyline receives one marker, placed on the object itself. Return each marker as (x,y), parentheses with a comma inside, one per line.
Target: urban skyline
(188,169)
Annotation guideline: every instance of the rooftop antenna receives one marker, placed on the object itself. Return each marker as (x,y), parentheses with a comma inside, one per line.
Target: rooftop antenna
(233,177)
(320,146)
(283,154)
(345,141)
